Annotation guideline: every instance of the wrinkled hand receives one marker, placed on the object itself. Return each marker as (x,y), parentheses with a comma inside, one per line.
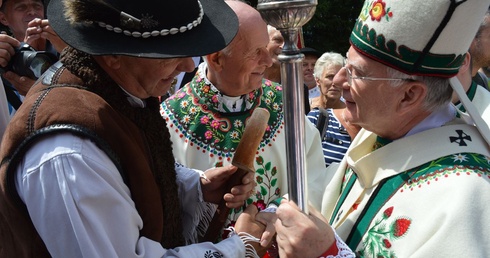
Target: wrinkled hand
(301,235)
(268,219)
(247,222)
(7,48)
(215,187)
(40,29)
(21,83)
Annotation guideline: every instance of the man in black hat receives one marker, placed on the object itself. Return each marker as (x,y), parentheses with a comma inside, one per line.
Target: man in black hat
(87,166)
(311,55)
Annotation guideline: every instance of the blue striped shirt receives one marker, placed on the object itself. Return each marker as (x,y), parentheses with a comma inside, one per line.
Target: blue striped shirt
(336,140)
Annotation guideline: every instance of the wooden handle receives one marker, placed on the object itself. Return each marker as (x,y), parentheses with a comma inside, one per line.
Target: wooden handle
(244,159)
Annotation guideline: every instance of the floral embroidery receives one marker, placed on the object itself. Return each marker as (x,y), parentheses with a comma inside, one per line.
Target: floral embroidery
(382,235)
(193,113)
(459,157)
(266,179)
(452,165)
(379,10)
(194,110)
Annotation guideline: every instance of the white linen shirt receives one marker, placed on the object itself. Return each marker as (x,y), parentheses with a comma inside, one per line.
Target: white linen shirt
(80,206)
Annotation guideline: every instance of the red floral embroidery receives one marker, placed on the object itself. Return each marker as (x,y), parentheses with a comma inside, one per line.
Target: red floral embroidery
(260,205)
(387,212)
(383,234)
(400,227)
(387,243)
(377,10)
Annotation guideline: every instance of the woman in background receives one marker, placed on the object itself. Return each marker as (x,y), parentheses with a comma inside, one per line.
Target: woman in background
(327,109)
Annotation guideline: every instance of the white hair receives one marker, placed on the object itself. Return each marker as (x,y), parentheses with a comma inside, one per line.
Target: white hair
(328,58)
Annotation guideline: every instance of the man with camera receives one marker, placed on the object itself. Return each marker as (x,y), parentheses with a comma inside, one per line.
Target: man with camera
(25,21)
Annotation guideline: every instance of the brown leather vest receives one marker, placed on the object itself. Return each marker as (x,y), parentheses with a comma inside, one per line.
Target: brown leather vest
(66,105)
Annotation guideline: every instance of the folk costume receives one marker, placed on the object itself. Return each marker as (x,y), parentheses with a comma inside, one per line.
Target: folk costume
(422,195)
(405,203)
(87,169)
(206,127)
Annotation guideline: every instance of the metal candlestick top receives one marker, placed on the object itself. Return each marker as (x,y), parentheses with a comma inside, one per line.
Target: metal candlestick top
(288,16)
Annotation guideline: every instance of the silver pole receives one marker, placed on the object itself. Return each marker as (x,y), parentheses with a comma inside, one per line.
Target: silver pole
(288,16)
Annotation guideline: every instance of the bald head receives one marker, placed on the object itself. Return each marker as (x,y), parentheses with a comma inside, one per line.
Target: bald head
(250,23)
(247,15)
(239,68)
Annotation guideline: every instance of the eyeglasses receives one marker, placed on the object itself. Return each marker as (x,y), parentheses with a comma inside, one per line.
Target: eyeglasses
(350,77)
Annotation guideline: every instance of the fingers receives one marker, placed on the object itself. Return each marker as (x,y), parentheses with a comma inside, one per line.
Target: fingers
(252,210)
(21,83)
(287,212)
(268,219)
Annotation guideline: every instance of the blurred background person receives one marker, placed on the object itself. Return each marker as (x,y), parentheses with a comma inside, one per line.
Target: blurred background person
(480,52)
(479,96)
(327,109)
(326,67)
(25,22)
(273,73)
(276,42)
(311,55)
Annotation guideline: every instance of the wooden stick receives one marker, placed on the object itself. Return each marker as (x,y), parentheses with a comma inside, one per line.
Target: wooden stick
(244,159)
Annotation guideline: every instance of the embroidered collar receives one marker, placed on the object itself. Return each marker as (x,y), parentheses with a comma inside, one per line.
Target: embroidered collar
(217,100)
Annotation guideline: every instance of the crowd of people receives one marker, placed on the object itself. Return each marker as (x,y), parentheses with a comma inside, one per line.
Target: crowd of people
(107,154)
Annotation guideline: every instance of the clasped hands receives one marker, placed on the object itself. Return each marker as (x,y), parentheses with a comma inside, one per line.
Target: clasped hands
(297,234)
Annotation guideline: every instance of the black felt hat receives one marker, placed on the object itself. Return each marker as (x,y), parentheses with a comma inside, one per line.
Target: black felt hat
(144,28)
(310,51)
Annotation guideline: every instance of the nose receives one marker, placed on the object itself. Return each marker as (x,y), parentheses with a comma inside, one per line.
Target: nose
(340,78)
(32,10)
(186,64)
(265,58)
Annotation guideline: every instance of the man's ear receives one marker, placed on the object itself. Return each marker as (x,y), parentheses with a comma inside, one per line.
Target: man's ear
(3,19)
(466,63)
(112,61)
(414,96)
(215,61)
(317,80)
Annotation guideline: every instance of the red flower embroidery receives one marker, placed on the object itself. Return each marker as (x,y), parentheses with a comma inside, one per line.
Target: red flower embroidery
(387,212)
(377,10)
(400,227)
(386,243)
(259,160)
(260,205)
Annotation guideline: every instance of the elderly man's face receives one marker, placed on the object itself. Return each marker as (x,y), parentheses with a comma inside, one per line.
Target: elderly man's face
(276,42)
(16,14)
(243,68)
(145,77)
(369,103)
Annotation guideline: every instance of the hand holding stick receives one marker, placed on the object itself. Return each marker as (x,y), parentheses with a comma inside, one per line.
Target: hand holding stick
(243,159)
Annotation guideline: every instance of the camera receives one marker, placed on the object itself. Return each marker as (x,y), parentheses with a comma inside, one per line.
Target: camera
(29,62)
